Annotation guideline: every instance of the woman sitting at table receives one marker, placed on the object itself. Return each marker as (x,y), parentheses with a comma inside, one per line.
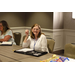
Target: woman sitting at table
(36,40)
(5,32)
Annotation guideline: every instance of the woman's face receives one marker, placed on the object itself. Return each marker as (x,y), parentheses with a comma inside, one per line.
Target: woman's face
(1,27)
(36,30)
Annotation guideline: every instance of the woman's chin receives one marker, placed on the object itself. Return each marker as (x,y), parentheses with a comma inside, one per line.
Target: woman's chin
(35,34)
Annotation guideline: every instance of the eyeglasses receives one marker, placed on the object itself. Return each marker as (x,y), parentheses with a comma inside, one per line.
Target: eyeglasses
(35,29)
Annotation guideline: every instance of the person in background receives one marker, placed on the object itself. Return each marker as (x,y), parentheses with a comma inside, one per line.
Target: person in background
(5,32)
(36,40)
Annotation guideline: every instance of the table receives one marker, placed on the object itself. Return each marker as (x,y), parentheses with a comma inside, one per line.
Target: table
(8,55)
(6,52)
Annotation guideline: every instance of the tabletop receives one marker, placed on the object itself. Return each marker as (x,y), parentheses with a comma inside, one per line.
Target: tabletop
(7,54)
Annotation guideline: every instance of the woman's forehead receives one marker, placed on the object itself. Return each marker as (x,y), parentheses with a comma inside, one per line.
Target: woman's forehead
(36,27)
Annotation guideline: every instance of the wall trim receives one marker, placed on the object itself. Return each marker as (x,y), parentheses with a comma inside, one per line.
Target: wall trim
(69,30)
(19,28)
(41,28)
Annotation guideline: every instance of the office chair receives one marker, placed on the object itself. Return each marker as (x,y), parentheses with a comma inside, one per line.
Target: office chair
(69,50)
(17,37)
(50,44)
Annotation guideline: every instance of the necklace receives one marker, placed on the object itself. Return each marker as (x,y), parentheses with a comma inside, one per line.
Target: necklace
(34,43)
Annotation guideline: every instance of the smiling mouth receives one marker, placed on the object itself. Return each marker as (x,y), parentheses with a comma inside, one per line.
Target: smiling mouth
(35,32)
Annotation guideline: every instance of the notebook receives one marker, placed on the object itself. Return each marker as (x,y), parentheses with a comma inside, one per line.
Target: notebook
(5,43)
(32,52)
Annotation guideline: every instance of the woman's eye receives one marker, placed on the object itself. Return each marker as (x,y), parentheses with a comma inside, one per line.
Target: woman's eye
(35,29)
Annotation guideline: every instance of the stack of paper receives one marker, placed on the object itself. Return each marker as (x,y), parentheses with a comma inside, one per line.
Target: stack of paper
(5,43)
(25,50)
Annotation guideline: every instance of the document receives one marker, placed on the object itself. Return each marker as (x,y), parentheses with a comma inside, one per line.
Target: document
(5,43)
(29,51)
(24,50)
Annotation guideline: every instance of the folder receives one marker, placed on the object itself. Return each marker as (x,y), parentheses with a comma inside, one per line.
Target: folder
(31,52)
(6,43)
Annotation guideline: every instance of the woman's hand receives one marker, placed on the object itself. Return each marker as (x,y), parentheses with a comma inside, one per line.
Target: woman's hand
(27,32)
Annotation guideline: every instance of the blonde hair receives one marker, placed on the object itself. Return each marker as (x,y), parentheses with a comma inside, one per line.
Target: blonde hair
(31,33)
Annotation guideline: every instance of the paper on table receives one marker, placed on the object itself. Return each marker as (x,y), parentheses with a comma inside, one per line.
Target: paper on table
(6,43)
(25,49)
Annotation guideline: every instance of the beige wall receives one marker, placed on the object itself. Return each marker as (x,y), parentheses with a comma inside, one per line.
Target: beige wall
(19,19)
(44,19)
(14,19)
(69,22)
(49,20)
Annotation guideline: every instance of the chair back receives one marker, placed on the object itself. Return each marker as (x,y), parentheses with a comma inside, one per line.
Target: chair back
(17,37)
(69,50)
(50,45)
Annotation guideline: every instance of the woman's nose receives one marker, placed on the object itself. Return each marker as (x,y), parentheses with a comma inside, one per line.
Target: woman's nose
(35,30)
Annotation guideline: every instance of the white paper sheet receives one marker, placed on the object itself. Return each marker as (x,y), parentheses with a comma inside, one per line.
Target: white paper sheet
(25,49)
(6,43)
